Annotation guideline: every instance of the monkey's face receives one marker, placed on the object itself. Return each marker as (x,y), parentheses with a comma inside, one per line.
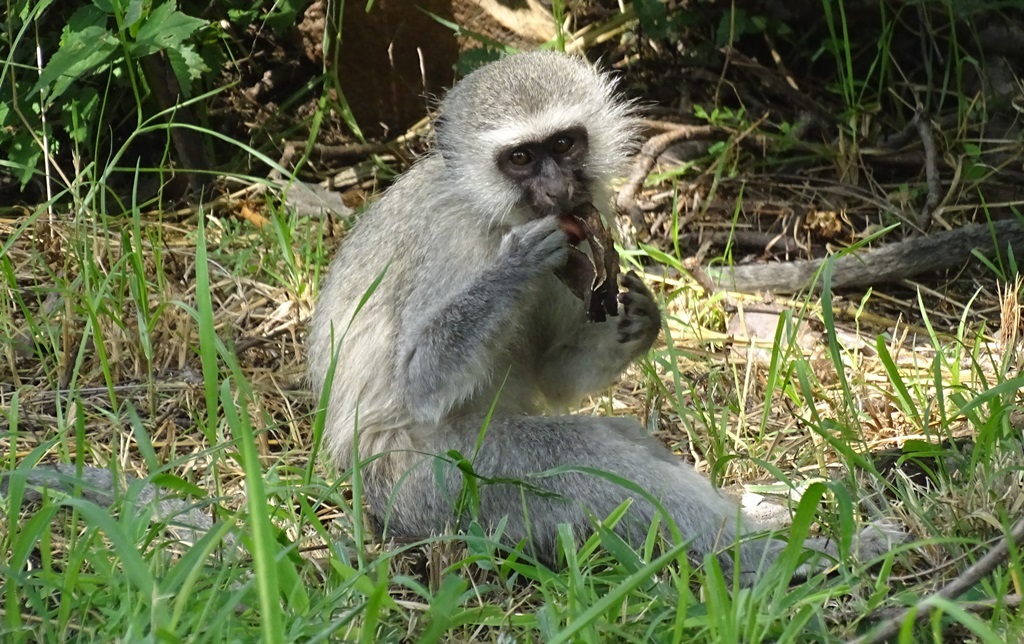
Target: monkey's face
(549,173)
(532,135)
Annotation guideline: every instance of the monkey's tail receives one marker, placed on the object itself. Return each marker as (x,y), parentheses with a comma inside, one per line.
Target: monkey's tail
(183,519)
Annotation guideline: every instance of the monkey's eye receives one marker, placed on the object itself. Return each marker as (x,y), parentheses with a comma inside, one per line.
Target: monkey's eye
(562,144)
(520,157)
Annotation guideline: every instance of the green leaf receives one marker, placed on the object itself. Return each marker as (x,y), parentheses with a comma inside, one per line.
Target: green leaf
(87,16)
(26,11)
(653,17)
(187,65)
(80,113)
(165,28)
(133,15)
(976,172)
(80,54)
(282,16)
(23,156)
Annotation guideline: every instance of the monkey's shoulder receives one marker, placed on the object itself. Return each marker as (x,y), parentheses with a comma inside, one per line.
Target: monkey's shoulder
(420,211)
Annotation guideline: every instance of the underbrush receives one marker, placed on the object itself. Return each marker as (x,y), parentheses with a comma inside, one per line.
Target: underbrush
(165,344)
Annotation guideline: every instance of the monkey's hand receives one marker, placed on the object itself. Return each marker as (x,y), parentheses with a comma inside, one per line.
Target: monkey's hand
(640,321)
(537,247)
(590,355)
(448,350)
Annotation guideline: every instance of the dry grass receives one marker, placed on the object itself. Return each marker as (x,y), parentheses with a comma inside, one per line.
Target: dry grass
(58,374)
(261,305)
(99,349)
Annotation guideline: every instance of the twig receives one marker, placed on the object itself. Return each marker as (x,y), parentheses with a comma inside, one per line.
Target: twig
(888,263)
(780,82)
(920,611)
(645,160)
(347,151)
(752,239)
(931,169)
(977,606)
(699,275)
(42,119)
(336,152)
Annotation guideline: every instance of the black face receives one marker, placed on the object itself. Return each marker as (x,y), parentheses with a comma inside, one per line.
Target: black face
(551,172)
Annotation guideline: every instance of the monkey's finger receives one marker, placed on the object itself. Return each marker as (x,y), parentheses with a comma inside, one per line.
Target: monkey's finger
(630,279)
(637,297)
(636,327)
(639,304)
(633,282)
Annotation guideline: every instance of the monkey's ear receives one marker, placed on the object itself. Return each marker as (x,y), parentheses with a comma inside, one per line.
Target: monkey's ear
(443,138)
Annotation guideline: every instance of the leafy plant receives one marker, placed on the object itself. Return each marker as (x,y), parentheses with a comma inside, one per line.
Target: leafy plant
(62,99)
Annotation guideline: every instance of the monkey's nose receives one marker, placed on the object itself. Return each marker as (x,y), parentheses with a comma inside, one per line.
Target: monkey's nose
(550,202)
(559,197)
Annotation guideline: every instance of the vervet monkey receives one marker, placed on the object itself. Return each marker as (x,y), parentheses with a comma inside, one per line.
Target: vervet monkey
(469,341)
(468,316)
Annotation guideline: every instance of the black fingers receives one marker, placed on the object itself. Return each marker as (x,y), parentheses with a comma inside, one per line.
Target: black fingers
(641,319)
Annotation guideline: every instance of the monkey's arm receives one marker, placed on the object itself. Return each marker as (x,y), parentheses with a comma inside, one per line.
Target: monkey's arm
(886,264)
(447,354)
(594,354)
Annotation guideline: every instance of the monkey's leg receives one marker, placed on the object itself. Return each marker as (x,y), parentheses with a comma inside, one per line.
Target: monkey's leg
(521,448)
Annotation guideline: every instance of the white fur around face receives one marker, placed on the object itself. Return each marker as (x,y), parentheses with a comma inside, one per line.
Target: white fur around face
(522,99)
(477,169)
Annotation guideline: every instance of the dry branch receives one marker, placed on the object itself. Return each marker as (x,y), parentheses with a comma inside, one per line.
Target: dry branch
(888,264)
(920,611)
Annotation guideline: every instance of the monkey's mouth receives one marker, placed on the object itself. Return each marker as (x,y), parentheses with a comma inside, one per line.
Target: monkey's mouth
(581,221)
(574,226)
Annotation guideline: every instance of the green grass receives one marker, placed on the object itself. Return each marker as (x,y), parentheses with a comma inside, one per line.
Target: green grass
(97,573)
(169,346)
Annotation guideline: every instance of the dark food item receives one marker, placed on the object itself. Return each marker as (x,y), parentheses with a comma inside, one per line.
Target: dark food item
(593,278)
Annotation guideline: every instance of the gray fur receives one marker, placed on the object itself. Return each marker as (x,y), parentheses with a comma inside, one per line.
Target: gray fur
(468,315)
(183,519)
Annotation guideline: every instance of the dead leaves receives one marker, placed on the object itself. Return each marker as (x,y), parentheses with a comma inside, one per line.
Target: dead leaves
(592,278)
